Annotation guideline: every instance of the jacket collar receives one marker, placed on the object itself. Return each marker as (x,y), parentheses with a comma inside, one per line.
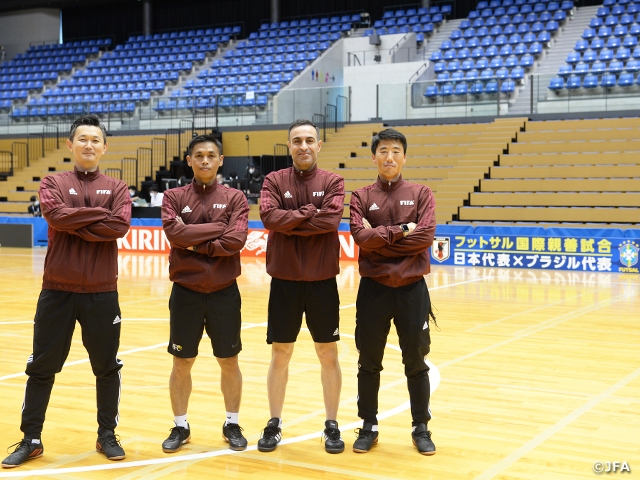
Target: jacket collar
(388,186)
(87,175)
(204,189)
(305,175)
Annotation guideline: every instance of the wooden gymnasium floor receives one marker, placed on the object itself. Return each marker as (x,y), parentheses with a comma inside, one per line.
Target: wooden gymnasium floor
(540,378)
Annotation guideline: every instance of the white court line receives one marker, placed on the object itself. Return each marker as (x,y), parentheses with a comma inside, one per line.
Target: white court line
(435,381)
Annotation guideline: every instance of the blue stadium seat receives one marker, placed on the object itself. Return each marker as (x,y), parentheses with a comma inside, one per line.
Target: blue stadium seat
(608,81)
(625,80)
(565,70)
(556,84)
(590,81)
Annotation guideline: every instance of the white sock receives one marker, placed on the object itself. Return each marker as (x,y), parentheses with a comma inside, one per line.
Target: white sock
(181,421)
(232,418)
(374,428)
(36,441)
(413,429)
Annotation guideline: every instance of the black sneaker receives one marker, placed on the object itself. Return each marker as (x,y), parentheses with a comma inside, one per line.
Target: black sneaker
(232,433)
(25,450)
(109,444)
(178,437)
(422,440)
(332,440)
(367,438)
(271,436)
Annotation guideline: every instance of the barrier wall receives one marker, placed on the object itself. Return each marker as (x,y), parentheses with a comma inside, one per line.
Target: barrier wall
(576,249)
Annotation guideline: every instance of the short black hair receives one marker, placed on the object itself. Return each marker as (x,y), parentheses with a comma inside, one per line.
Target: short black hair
(91,121)
(203,139)
(388,134)
(301,122)
(33,198)
(153,188)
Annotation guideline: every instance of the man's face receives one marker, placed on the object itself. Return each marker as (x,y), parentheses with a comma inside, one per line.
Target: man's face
(87,147)
(205,159)
(389,158)
(304,147)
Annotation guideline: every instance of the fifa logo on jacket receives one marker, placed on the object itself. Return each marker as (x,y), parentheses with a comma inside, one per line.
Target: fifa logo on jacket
(219,205)
(103,192)
(318,194)
(406,202)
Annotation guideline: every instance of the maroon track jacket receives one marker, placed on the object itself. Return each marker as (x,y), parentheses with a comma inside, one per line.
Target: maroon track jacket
(385,254)
(86,213)
(302,211)
(216,219)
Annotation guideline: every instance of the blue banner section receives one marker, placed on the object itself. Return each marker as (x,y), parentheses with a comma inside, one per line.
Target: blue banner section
(583,249)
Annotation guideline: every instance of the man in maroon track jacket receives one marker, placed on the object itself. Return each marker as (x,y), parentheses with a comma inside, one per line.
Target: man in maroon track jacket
(206,224)
(86,212)
(302,206)
(393,222)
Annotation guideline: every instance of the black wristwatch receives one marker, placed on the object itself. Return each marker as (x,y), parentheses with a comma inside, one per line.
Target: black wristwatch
(405,229)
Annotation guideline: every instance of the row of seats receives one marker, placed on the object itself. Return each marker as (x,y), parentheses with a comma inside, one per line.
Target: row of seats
(225,80)
(521,49)
(84,76)
(461,41)
(616,9)
(5,104)
(528,19)
(345,27)
(228,30)
(606,32)
(59,67)
(186,42)
(630,41)
(57,111)
(463,89)
(27,77)
(309,22)
(272,88)
(47,61)
(604,55)
(420,30)
(204,103)
(133,96)
(193,51)
(401,22)
(118,76)
(526,61)
(530,7)
(410,12)
(608,80)
(612,20)
(33,85)
(14,94)
(503,73)
(58,52)
(600,67)
(100,42)
(129,86)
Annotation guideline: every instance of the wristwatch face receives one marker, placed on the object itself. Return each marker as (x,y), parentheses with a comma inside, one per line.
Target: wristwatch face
(405,228)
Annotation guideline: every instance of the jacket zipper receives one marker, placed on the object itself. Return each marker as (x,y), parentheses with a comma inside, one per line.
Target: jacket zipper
(83,182)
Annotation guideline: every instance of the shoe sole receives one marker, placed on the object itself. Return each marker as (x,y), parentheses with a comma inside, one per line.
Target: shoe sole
(6,465)
(359,450)
(120,457)
(267,449)
(237,449)
(333,450)
(428,454)
(186,440)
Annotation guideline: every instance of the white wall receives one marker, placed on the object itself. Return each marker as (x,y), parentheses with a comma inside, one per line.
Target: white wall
(363,81)
(20,29)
